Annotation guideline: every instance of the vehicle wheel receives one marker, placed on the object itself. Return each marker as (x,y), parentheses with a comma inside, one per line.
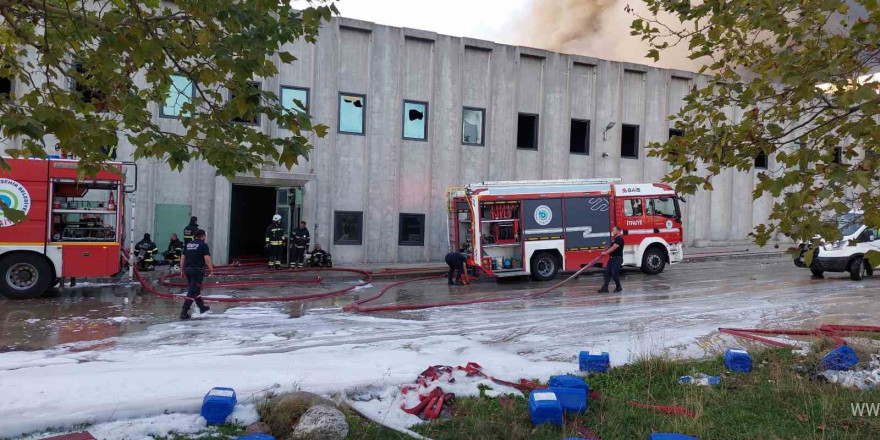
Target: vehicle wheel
(544,266)
(817,272)
(24,276)
(653,261)
(857,269)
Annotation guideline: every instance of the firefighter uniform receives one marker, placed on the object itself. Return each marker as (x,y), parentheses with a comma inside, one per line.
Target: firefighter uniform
(275,242)
(146,251)
(174,251)
(195,254)
(301,240)
(190,230)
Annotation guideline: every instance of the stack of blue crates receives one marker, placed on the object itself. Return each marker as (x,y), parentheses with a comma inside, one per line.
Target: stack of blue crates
(544,407)
(571,391)
(218,405)
(594,363)
(841,358)
(738,360)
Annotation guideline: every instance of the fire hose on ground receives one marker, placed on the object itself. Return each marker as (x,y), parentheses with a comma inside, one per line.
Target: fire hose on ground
(835,332)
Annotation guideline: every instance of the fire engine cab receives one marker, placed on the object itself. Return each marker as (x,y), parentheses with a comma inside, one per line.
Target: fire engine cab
(539,228)
(72,228)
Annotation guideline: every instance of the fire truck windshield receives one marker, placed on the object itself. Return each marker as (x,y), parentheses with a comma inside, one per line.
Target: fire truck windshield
(664,206)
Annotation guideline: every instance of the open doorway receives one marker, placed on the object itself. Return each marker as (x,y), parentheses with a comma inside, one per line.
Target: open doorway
(252,210)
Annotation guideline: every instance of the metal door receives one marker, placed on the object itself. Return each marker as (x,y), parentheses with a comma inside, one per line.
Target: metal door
(168,219)
(282,208)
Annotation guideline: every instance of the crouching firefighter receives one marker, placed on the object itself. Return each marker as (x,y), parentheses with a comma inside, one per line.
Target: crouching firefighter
(174,251)
(146,250)
(196,255)
(275,242)
(301,240)
(320,258)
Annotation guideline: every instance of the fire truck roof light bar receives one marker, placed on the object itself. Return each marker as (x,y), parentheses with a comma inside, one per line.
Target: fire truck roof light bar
(547,182)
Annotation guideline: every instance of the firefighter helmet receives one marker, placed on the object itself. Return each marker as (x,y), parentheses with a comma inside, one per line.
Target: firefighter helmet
(276,218)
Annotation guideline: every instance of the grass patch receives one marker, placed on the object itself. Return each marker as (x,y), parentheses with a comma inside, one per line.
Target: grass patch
(226,431)
(774,402)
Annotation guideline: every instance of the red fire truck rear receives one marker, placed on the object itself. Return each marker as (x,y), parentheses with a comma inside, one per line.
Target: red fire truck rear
(72,228)
(541,227)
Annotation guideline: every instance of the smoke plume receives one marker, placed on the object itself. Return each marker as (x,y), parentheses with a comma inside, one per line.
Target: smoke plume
(597,28)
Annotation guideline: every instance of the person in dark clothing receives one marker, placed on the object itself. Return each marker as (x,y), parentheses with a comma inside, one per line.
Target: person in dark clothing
(320,258)
(196,255)
(190,230)
(612,269)
(275,242)
(146,250)
(456,262)
(300,244)
(175,250)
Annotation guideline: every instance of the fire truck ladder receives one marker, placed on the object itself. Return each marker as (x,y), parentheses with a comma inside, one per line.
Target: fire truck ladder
(452,215)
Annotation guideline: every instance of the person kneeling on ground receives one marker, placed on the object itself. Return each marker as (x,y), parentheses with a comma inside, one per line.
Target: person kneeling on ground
(196,256)
(320,258)
(456,262)
(146,250)
(175,250)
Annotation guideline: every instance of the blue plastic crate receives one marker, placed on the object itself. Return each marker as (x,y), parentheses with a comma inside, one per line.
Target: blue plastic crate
(573,400)
(218,405)
(738,360)
(841,358)
(544,407)
(257,437)
(668,436)
(597,362)
(568,381)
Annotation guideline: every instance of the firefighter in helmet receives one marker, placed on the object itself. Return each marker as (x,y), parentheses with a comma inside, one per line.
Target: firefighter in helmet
(190,229)
(301,240)
(146,249)
(275,239)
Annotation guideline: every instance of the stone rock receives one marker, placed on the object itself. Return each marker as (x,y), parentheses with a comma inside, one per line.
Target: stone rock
(283,411)
(257,428)
(321,422)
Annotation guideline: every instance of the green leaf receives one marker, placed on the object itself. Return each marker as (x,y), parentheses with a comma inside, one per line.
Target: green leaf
(13,215)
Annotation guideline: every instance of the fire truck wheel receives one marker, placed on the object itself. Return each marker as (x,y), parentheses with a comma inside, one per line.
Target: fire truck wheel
(653,261)
(858,269)
(544,266)
(24,276)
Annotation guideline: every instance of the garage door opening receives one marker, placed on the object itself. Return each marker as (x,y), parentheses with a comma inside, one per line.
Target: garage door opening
(252,210)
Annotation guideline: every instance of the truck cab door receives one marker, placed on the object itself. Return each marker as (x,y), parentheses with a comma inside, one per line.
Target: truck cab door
(664,216)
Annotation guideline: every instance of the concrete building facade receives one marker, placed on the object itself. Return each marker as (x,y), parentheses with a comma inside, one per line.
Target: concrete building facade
(380,174)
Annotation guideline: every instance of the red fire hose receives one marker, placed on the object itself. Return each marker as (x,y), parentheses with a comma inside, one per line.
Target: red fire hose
(834,332)
(359,307)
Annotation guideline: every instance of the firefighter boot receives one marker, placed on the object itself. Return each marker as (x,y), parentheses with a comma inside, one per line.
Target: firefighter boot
(184,313)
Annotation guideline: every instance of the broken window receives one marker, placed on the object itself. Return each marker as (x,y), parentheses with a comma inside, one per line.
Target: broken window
(579,141)
(415,120)
(352,113)
(251,115)
(5,86)
(527,131)
(838,154)
(348,227)
(295,99)
(761,161)
(87,93)
(412,230)
(180,93)
(472,129)
(629,141)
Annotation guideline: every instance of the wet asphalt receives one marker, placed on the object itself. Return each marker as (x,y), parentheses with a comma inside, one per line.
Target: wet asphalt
(790,294)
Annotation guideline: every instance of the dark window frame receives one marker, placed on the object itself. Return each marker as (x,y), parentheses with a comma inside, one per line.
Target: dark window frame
(400,238)
(99,97)
(586,145)
(308,91)
(192,91)
(675,132)
(838,155)
(259,120)
(11,85)
(337,231)
(403,120)
(482,142)
(766,161)
(363,115)
(637,146)
(535,134)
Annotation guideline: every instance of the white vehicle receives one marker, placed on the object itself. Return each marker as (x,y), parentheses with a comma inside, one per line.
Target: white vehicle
(846,254)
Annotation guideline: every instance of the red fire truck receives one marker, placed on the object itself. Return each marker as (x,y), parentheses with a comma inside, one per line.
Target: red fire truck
(539,228)
(73,226)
